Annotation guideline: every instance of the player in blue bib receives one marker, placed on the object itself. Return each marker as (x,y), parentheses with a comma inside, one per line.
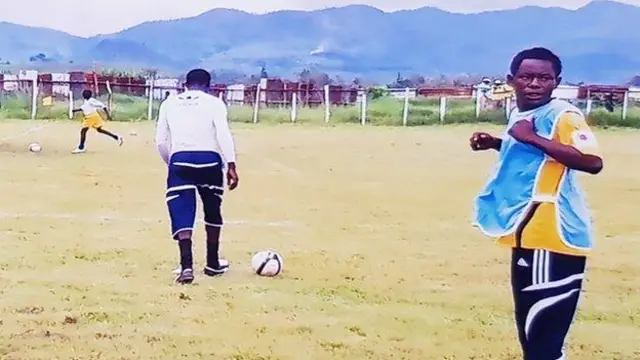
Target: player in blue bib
(533,202)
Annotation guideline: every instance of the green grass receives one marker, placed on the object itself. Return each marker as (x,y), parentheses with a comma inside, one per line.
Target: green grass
(380,261)
(383,112)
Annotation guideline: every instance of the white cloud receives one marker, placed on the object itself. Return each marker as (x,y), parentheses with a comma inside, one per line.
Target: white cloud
(90,17)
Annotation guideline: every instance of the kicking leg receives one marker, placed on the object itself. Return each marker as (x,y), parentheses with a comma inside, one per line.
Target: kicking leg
(115,137)
(546,289)
(83,140)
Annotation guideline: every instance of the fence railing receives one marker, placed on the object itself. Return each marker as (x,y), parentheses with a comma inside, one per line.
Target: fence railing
(56,99)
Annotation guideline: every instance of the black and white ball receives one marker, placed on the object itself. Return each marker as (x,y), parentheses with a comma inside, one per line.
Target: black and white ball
(267,263)
(35,147)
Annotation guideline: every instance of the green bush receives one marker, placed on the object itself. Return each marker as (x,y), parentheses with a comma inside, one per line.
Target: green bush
(378,92)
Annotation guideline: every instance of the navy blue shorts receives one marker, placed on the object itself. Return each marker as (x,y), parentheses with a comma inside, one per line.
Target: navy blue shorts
(546,289)
(192,172)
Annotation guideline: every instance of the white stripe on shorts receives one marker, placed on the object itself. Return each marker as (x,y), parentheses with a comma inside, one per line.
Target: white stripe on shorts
(197,166)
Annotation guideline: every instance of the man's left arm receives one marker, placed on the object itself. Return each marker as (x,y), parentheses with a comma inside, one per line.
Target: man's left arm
(225,140)
(574,144)
(223,134)
(163,135)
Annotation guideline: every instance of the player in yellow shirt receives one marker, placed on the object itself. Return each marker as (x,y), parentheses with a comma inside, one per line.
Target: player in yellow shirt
(92,119)
(533,202)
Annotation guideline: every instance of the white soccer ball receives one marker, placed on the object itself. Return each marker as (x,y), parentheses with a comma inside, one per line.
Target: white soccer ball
(35,147)
(267,263)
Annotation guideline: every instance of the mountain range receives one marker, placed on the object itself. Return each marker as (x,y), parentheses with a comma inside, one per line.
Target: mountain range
(595,42)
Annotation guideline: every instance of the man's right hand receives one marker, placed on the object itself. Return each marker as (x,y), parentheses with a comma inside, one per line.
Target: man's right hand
(232,176)
(483,141)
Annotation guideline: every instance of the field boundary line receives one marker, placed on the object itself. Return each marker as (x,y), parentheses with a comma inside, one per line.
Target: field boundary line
(73,216)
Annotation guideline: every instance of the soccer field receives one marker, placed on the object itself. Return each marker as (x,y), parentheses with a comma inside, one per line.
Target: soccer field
(373,222)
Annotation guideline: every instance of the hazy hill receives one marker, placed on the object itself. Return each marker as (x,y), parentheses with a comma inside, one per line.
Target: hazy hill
(595,41)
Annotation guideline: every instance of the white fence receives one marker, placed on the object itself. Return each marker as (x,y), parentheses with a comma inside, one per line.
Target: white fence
(235,95)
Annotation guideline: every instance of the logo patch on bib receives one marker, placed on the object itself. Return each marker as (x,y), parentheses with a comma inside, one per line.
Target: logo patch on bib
(584,139)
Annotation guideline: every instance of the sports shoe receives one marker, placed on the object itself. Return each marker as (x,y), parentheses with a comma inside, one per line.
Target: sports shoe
(120,140)
(78,151)
(185,277)
(220,270)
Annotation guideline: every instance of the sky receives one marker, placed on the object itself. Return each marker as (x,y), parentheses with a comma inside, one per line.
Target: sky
(91,17)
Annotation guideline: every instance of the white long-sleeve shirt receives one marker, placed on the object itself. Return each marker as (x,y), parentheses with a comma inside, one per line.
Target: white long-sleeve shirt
(194,121)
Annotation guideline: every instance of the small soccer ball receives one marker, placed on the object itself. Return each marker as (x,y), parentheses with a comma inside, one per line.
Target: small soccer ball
(35,147)
(267,263)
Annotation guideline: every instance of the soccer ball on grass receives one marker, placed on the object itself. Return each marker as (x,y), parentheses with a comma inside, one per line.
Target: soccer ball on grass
(35,147)
(267,263)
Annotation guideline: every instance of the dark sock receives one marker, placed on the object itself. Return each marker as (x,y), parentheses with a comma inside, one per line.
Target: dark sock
(186,255)
(212,254)
(83,138)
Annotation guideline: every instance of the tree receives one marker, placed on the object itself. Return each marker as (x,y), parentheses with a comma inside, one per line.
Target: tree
(149,73)
(304,76)
(401,82)
(416,81)
(320,78)
(315,77)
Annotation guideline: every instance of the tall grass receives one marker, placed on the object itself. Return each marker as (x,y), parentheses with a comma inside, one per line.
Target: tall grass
(382,112)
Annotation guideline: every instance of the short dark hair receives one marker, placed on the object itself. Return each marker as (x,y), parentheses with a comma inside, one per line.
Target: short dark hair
(198,77)
(87,94)
(536,53)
